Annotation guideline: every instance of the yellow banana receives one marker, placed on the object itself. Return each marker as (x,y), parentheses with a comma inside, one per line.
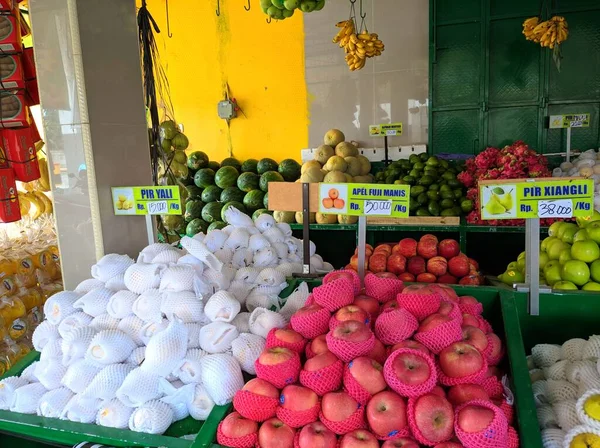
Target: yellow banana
(39,145)
(342,24)
(48,208)
(24,204)
(364,36)
(38,206)
(45,175)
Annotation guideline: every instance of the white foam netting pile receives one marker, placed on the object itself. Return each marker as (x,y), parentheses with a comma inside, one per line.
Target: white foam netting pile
(143,344)
(566,385)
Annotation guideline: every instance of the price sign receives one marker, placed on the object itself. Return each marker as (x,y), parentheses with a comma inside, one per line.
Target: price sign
(377,208)
(558,208)
(146,200)
(385,130)
(569,121)
(533,198)
(364,199)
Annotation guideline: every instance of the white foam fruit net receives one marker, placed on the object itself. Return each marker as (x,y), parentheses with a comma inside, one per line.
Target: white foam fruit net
(140,277)
(139,387)
(59,306)
(104,322)
(553,438)
(26,398)
(217,337)
(75,344)
(246,348)
(566,414)
(106,382)
(147,306)
(178,278)
(547,417)
(591,348)
(110,266)
(116,283)
(221,377)
(73,321)
(109,347)
(544,355)
(184,304)
(262,321)
(166,349)
(121,303)
(79,375)
(153,417)
(222,307)
(7,390)
(53,402)
(88,285)
(94,302)
(114,414)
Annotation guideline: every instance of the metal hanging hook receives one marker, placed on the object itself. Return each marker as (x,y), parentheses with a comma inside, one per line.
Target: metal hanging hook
(362,16)
(249,6)
(269,19)
(218,11)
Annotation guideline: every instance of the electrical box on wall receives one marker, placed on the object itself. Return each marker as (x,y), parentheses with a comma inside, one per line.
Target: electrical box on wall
(227,109)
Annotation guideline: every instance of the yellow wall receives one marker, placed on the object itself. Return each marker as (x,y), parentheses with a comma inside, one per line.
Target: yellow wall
(262,63)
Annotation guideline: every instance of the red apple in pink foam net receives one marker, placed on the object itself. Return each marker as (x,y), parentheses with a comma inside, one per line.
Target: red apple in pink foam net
(460,359)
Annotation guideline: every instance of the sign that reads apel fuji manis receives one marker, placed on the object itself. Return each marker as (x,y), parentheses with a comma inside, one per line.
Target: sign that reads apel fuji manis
(536,198)
(364,199)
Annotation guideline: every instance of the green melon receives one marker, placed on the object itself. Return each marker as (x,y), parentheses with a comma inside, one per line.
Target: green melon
(248,182)
(232,161)
(204,178)
(254,200)
(226,177)
(174,223)
(266,201)
(212,212)
(249,166)
(290,170)
(234,204)
(211,194)
(197,160)
(269,176)
(193,192)
(216,225)
(265,165)
(259,212)
(196,226)
(193,210)
(232,194)
(213,165)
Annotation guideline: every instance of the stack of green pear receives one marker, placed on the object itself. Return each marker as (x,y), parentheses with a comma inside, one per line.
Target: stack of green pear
(569,257)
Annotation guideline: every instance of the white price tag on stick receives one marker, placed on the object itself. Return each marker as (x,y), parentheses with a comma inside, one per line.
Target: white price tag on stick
(378,207)
(557,208)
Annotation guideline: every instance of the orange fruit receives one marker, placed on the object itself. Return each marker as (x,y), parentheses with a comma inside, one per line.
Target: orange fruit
(334,193)
(328,202)
(339,203)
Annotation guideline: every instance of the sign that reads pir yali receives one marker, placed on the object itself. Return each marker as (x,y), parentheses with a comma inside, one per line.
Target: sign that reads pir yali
(364,199)
(536,198)
(146,200)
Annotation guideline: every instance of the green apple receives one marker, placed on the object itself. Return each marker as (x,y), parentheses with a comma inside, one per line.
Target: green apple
(553,229)
(544,258)
(563,229)
(576,271)
(593,231)
(522,255)
(564,286)
(277,3)
(581,235)
(591,286)
(569,234)
(565,255)
(513,276)
(521,265)
(587,251)
(555,249)
(546,242)
(552,272)
(584,221)
(595,270)
(512,265)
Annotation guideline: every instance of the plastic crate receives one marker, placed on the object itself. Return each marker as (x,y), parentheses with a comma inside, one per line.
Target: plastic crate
(500,309)
(63,432)
(562,316)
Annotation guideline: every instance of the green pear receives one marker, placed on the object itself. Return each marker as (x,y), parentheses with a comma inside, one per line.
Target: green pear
(290,5)
(507,201)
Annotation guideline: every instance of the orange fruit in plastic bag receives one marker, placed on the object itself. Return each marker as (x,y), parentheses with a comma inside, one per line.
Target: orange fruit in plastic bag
(32,297)
(7,267)
(25,266)
(54,253)
(41,259)
(12,308)
(18,329)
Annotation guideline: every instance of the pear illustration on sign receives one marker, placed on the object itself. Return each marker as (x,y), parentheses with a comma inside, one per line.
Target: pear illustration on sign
(499,202)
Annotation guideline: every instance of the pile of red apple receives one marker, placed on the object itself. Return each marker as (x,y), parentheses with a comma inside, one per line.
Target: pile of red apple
(425,261)
(391,365)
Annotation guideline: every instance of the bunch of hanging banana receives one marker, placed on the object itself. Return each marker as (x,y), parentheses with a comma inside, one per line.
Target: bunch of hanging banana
(34,204)
(548,33)
(358,47)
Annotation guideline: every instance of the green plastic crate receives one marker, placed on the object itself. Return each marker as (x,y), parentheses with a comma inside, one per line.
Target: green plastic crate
(41,430)
(500,309)
(562,316)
